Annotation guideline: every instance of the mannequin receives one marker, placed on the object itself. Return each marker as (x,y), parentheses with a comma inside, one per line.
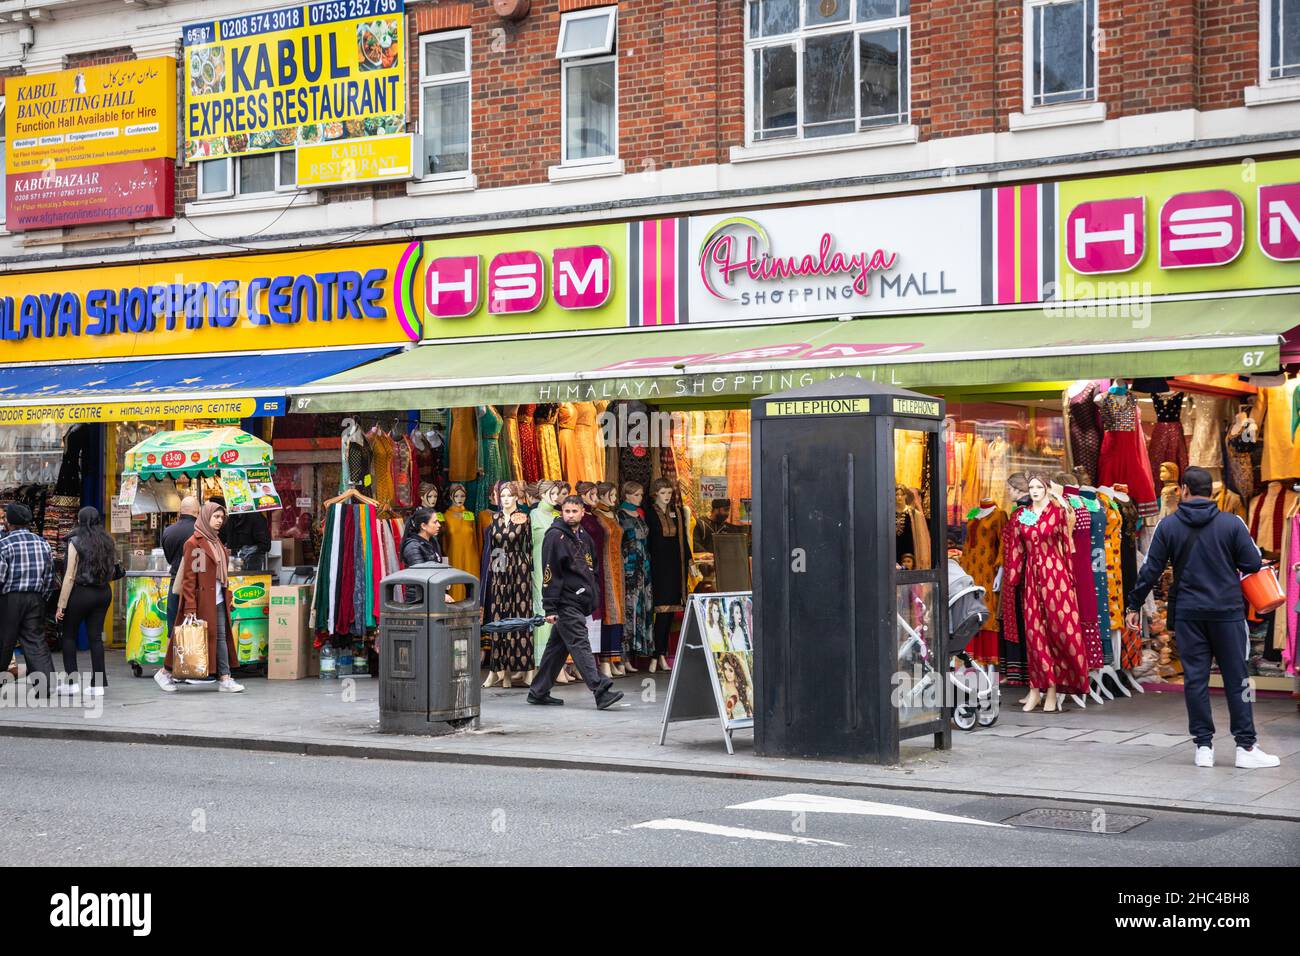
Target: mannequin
(904,536)
(1168,443)
(592,525)
(1011,645)
(429,496)
(611,628)
(550,493)
(1169,496)
(670,556)
(981,558)
(506,586)
(460,537)
(1038,561)
(638,598)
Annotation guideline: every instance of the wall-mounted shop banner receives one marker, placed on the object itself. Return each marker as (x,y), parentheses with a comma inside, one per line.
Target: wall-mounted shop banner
(1235,226)
(163,409)
(878,255)
(90,145)
(295,76)
(557,280)
(356,160)
(325,298)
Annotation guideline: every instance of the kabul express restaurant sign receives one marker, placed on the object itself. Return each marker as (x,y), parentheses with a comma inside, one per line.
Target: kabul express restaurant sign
(295,76)
(90,145)
(362,295)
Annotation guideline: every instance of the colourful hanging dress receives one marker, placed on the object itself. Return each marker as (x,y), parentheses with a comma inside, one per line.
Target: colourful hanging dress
(528,445)
(462,465)
(1123,458)
(638,600)
(510,441)
(1168,443)
(566,421)
(1085,430)
(381,468)
(506,574)
(1038,562)
(588,467)
(1011,644)
(1085,582)
(491,467)
(548,444)
(738,484)
(980,558)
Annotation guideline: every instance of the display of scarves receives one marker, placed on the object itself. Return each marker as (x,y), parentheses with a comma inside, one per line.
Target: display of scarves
(357,550)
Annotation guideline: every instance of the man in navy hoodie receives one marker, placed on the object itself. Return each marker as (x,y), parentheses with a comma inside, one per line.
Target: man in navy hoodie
(1207,612)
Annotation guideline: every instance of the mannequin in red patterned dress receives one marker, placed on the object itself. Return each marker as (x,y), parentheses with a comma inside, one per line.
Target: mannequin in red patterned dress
(1038,562)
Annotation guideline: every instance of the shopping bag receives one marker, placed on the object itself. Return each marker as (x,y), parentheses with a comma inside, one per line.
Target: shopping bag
(190,649)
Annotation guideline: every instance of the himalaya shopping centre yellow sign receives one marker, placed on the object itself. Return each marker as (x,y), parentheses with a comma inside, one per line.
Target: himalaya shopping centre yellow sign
(294,76)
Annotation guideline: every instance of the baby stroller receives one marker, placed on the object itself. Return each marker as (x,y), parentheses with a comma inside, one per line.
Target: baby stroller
(977,699)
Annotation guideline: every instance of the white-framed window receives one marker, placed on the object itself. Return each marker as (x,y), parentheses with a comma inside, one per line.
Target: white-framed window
(444,104)
(1279,40)
(243,176)
(1060,52)
(589,86)
(817,68)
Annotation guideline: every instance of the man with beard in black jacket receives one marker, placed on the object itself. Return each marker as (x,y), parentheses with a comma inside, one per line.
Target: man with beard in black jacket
(568,598)
(1207,612)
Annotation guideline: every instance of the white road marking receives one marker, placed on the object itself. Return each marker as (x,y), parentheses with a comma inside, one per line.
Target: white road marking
(812,803)
(739,833)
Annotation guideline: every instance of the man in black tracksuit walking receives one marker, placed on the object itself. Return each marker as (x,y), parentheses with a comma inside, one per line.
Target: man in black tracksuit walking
(568,598)
(1207,612)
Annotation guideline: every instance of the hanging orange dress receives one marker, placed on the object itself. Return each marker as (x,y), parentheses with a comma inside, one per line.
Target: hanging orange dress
(548,445)
(584,430)
(462,464)
(381,468)
(738,460)
(460,538)
(566,433)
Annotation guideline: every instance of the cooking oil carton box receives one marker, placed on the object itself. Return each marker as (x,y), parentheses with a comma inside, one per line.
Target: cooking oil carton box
(290,632)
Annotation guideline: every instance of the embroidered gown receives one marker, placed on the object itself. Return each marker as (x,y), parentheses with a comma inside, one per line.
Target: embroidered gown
(528,445)
(1038,562)
(507,576)
(1123,457)
(1168,443)
(638,600)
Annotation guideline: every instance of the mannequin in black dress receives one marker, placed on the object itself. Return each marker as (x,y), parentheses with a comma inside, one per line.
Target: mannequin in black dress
(670,556)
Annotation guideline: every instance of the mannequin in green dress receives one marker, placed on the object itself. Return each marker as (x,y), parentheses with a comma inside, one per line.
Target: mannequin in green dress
(551,494)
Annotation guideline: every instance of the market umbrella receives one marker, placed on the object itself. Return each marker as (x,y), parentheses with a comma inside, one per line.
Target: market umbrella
(195,452)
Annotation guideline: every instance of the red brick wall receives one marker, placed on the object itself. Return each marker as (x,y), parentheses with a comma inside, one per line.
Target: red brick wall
(1229,52)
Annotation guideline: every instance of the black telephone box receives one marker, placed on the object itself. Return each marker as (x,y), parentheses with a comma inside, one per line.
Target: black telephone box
(849,647)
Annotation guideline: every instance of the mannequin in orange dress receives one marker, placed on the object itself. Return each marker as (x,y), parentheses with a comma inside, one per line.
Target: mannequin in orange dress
(460,538)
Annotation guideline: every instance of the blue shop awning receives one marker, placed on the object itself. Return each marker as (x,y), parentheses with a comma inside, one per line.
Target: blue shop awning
(225,386)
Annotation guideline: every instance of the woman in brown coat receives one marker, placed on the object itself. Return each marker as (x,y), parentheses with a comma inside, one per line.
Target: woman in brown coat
(202,588)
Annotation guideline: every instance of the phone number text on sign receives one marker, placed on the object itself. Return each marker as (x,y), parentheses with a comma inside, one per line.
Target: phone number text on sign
(298,76)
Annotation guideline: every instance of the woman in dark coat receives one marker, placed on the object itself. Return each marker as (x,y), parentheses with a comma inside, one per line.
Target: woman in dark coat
(420,538)
(203,589)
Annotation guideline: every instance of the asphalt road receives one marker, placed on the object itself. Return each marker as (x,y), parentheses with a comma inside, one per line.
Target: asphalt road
(70,802)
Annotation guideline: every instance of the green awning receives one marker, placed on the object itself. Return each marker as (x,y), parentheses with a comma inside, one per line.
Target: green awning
(1053,342)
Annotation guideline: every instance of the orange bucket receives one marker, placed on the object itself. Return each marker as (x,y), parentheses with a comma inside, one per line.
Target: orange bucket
(1262,591)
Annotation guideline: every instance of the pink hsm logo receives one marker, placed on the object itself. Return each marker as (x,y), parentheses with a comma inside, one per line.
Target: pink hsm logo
(582,277)
(1196,229)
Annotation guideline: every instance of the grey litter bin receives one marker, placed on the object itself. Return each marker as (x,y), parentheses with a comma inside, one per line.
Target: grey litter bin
(428,652)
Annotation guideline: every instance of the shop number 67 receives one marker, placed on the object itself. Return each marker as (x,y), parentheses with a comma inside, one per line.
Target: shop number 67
(1252,359)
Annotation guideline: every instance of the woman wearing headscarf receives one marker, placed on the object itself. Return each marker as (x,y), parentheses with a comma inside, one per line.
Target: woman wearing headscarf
(203,589)
(86,595)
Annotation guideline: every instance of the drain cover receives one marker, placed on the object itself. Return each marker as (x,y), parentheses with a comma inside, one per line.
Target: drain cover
(1097,820)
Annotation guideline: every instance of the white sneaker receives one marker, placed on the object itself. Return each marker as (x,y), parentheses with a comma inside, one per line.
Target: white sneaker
(95,691)
(1205,756)
(66,689)
(1255,759)
(165,681)
(227,685)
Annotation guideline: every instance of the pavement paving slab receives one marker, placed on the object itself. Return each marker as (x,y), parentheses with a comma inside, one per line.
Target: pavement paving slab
(1130,751)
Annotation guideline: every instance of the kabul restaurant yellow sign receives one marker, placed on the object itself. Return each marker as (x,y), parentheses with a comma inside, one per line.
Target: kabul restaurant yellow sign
(293,77)
(355,160)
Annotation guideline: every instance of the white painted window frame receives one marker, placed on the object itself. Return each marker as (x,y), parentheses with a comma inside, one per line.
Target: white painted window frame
(604,49)
(570,61)
(232,180)
(1028,44)
(449,79)
(796,39)
(1269,89)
